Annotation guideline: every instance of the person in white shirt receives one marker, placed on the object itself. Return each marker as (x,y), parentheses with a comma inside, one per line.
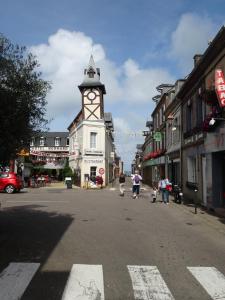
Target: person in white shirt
(136,181)
(165,186)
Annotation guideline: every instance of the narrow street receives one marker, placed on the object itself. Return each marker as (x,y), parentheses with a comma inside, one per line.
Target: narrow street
(118,247)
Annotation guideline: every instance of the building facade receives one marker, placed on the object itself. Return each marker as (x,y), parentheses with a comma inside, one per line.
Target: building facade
(50,150)
(203,147)
(158,157)
(173,134)
(92,149)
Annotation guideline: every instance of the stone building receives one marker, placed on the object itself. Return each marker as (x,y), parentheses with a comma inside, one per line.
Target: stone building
(173,134)
(158,159)
(50,150)
(92,149)
(203,126)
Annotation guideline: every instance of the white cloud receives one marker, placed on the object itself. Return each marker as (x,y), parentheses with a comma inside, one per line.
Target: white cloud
(128,134)
(64,58)
(191,37)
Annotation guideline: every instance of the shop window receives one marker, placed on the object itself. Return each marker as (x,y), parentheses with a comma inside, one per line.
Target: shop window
(93,139)
(192,170)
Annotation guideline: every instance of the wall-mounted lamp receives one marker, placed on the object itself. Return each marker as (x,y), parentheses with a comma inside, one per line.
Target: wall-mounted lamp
(213,120)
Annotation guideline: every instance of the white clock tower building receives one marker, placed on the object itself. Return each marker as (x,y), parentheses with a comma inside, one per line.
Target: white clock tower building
(91,132)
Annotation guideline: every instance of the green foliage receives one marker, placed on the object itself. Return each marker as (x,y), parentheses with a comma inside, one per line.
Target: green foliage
(67,171)
(22,99)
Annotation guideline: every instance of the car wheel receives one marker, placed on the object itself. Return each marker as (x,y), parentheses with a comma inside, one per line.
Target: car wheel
(9,189)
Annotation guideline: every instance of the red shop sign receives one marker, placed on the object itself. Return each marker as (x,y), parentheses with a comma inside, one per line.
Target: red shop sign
(220,87)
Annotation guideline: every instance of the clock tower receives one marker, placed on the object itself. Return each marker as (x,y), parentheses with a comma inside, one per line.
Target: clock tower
(92,91)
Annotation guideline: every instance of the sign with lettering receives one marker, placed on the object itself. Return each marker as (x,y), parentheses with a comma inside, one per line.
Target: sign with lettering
(93,161)
(157,136)
(57,149)
(220,86)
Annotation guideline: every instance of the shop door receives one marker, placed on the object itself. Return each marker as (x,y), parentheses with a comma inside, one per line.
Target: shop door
(223,183)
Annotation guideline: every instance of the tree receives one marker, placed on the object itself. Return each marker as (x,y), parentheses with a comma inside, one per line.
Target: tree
(22,99)
(67,171)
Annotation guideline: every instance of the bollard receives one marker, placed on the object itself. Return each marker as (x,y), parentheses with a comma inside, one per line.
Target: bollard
(195,202)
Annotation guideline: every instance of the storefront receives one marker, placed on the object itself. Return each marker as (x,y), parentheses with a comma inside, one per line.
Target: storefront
(215,168)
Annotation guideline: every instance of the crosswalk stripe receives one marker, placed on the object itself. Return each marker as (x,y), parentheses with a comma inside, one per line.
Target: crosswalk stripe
(211,279)
(148,283)
(15,279)
(85,282)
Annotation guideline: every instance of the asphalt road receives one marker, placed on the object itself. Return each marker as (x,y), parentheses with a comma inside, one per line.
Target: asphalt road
(55,229)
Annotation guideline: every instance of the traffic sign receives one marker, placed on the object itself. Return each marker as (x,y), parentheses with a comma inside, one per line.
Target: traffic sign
(101,171)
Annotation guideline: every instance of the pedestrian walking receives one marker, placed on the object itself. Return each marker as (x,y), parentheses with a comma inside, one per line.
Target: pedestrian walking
(122,180)
(136,181)
(165,187)
(154,194)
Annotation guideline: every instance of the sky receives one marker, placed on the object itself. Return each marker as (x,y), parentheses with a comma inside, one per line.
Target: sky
(137,44)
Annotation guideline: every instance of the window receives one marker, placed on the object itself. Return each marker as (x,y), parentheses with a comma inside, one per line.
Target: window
(93,172)
(42,141)
(199,111)
(189,117)
(67,141)
(191,168)
(32,142)
(91,73)
(57,141)
(93,138)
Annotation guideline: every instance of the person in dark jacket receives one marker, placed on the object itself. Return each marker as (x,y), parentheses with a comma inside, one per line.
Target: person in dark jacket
(122,180)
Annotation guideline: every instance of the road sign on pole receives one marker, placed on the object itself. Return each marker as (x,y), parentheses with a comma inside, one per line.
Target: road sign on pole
(101,171)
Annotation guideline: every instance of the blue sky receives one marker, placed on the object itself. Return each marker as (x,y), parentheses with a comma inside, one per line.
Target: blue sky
(137,45)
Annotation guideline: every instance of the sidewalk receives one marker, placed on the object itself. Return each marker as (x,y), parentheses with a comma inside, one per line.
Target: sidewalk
(214,218)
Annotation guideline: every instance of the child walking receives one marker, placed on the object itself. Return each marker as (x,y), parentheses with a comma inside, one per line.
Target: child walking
(154,194)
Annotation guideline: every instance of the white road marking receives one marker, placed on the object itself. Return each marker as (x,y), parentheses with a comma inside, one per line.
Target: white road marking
(148,283)
(37,201)
(85,283)
(15,279)
(211,279)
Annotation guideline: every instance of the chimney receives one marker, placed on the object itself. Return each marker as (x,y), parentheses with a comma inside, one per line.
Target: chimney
(197,59)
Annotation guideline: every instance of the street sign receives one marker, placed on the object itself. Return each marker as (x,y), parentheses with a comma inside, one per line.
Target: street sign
(157,136)
(101,171)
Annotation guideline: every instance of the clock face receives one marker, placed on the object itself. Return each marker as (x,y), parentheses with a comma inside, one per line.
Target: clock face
(91,96)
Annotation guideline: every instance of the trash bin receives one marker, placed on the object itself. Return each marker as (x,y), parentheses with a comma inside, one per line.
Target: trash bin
(68,181)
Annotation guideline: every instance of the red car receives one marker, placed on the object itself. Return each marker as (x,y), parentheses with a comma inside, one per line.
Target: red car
(10,182)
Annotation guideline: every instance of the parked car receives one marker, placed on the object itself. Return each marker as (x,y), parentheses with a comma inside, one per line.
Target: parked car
(10,182)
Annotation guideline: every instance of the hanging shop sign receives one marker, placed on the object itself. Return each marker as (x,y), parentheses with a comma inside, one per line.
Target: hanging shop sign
(157,136)
(220,86)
